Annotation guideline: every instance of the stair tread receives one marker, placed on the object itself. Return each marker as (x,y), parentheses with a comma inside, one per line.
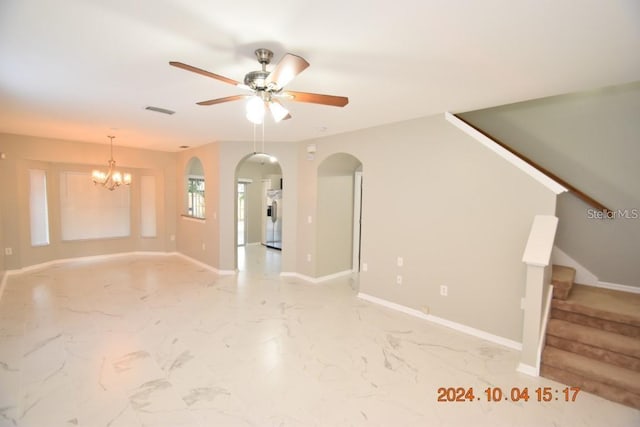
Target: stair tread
(562,273)
(590,368)
(595,337)
(606,391)
(617,306)
(595,322)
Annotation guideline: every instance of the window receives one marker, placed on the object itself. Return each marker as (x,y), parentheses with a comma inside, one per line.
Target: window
(194,180)
(195,188)
(148,206)
(38,210)
(88,211)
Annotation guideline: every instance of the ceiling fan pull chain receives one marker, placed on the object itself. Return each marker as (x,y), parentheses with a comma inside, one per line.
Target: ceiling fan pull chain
(254,139)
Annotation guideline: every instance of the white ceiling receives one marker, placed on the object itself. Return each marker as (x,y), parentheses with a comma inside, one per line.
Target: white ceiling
(83,69)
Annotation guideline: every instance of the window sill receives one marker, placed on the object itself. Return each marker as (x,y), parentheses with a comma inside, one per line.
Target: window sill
(194,218)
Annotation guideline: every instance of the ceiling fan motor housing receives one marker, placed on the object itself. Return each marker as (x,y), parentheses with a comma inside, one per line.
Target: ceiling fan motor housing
(256,80)
(264,56)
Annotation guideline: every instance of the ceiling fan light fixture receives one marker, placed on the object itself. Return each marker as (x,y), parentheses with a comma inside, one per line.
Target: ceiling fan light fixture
(255,110)
(278,111)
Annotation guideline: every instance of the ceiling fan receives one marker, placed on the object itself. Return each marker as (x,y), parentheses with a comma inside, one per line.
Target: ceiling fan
(267,87)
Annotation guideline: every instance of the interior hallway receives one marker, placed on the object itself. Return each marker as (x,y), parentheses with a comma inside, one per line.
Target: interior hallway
(160,341)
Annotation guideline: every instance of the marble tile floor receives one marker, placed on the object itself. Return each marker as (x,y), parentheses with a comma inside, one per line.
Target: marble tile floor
(160,341)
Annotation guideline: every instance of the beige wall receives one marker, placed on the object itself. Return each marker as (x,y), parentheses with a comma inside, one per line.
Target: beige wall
(335,224)
(56,156)
(334,243)
(458,214)
(591,140)
(220,161)
(455,212)
(198,238)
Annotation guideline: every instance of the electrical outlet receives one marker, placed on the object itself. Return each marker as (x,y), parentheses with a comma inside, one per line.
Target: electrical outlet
(8,251)
(364,266)
(204,247)
(444,290)
(308,257)
(399,279)
(400,261)
(309,219)
(522,303)
(172,237)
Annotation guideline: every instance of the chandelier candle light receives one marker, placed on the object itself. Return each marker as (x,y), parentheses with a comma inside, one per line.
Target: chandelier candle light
(112,178)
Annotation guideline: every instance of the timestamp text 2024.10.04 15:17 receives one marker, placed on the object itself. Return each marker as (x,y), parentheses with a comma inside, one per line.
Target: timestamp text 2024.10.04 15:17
(514,394)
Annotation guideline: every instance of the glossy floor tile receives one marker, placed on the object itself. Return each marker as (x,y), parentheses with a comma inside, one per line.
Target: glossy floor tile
(159,341)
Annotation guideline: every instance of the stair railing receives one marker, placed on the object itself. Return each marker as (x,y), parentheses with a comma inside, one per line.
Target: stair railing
(538,291)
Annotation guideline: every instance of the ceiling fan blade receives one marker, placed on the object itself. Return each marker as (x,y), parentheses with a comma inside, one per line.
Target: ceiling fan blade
(221,100)
(205,73)
(316,98)
(289,66)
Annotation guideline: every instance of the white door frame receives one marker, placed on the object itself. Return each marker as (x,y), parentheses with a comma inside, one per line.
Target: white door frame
(357,218)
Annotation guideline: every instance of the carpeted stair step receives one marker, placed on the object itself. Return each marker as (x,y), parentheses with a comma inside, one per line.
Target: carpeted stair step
(592,371)
(615,306)
(608,392)
(596,322)
(597,344)
(597,338)
(562,278)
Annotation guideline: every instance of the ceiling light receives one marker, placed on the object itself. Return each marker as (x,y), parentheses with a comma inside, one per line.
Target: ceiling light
(277,111)
(112,178)
(255,110)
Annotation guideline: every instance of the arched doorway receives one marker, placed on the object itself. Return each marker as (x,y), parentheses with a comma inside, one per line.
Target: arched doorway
(259,219)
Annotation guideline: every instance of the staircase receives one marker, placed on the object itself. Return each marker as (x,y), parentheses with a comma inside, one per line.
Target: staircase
(593,339)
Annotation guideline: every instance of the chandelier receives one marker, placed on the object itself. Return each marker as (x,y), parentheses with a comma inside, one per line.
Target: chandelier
(112,178)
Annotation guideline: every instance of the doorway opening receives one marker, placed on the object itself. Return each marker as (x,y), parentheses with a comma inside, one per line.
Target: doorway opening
(259,213)
(242,216)
(339,214)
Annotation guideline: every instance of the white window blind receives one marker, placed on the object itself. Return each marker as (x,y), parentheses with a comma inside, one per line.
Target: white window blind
(38,210)
(89,211)
(148,206)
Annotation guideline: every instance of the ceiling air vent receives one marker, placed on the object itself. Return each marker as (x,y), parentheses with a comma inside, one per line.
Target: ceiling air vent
(159,110)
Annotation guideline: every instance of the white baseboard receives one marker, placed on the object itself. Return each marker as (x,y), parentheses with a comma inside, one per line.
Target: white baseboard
(204,265)
(316,279)
(444,322)
(55,262)
(617,287)
(3,283)
(528,370)
(89,258)
(585,277)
